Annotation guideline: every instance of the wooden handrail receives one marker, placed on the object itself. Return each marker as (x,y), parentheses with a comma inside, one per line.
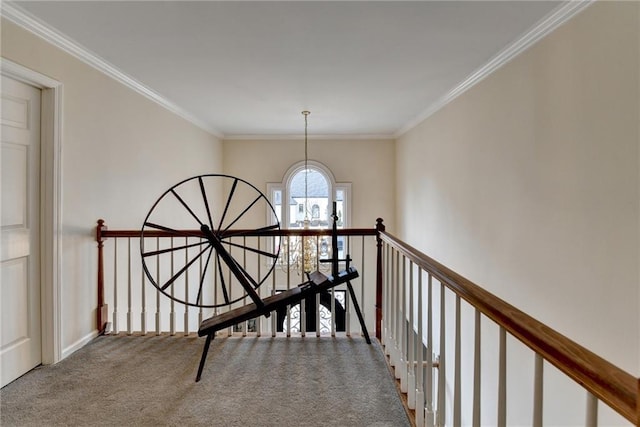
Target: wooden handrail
(610,384)
(105,233)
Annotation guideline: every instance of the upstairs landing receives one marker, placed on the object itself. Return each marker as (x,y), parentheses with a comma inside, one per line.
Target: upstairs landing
(148,380)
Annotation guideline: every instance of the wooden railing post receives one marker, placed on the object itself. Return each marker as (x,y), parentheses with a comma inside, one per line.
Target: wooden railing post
(102,311)
(379,228)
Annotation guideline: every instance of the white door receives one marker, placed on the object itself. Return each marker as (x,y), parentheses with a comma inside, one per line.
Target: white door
(20,329)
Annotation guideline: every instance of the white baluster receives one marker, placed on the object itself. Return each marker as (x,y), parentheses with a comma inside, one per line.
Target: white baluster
(259,319)
(440,415)
(502,379)
(538,390)
(245,324)
(402,338)
(420,403)
(230,287)
(303,303)
(411,352)
(115,329)
(230,282)
(388,300)
(592,411)
(397,319)
(200,310)
(129,312)
(288,287)
(347,313)
(390,317)
(457,415)
(143,297)
(172,315)
(476,371)
(186,287)
(274,316)
(429,410)
(216,294)
(317,315)
(158,329)
(303,318)
(332,306)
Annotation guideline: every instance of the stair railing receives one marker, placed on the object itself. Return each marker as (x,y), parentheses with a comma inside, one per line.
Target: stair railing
(416,311)
(127,302)
(418,296)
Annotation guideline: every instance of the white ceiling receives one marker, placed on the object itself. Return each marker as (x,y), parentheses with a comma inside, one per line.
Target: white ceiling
(239,68)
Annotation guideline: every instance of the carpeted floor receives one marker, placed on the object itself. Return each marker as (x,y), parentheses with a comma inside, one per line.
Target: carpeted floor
(143,381)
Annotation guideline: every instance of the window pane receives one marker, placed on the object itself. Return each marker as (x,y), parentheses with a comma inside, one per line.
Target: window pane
(340,207)
(276,200)
(309,194)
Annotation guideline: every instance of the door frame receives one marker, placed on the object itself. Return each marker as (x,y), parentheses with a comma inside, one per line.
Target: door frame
(50,204)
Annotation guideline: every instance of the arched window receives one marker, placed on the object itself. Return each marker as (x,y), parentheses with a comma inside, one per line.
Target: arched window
(308,194)
(305,198)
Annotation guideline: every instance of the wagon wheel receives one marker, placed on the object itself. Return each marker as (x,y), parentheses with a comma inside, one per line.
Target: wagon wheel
(199,243)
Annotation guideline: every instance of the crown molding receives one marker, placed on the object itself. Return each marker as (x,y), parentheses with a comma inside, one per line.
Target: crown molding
(269,137)
(32,24)
(545,26)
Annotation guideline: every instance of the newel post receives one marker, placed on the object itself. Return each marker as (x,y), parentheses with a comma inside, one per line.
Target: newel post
(102,312)
(379,228)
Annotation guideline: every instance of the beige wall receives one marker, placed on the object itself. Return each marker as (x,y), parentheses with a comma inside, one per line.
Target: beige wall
(120,151)
(367,164)
(528,184)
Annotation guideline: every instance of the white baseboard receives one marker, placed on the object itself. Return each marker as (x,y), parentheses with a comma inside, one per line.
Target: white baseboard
(68,351)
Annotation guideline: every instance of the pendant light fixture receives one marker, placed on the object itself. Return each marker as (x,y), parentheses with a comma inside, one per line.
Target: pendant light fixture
(308,249)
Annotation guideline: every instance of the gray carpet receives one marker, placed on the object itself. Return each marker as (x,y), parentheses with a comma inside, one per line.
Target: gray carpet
(140,381)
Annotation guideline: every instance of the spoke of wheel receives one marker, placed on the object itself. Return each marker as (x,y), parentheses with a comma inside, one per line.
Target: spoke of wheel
(181,233)
(249,248)
(206,201)
(243,212)
(245,274)
(164,251)
(233,189)
(182,270)
(204,272)
(257,232)
(185,206)
(237,271)
(222,283)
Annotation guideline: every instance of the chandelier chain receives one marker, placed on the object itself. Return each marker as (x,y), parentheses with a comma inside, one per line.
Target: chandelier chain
(306,167)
